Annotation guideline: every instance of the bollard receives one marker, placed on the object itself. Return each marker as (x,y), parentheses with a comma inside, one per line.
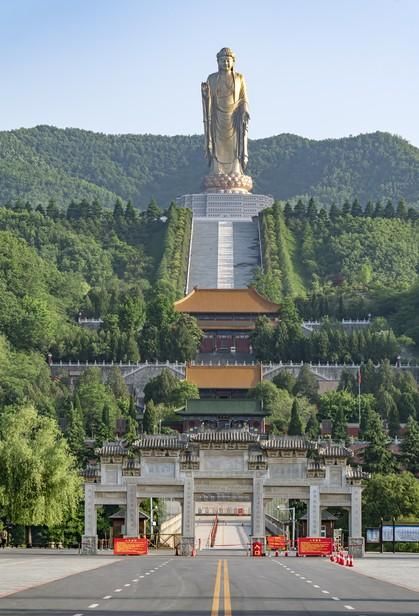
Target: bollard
(286,553)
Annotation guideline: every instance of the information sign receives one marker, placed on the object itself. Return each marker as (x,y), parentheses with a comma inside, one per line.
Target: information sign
(315,546)
(257,549)
(405,533)
(277,542)
(130,546)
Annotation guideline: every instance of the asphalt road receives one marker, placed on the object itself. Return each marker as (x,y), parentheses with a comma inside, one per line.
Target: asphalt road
(215,585)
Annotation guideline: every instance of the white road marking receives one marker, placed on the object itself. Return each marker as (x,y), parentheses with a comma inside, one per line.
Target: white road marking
(309,582)
(302,577)
(141,576)
(126,585)
(118,590)
(326,592)
(107,597)
(298,575)
(349,607)
(335,598)
(316,586)
(77,614)
(92,605)
(136,580)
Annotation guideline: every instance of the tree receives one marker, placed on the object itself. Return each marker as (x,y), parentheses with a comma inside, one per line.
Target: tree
(75,432)
(153,211)
(285,380)
(377,457)
(339,425)
(312,430)
(410,447)
(161,388)
(306,384)
(295,426)
(116,383)
(390,495)
(39,481)
(150,418)
(277,403)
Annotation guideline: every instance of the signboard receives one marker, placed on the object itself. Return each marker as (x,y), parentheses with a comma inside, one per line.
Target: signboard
(277,542)
(130,546)
(406,533)
(257,548)
(315,546)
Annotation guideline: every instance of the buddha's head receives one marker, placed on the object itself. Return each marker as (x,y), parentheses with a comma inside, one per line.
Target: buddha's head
(225,59)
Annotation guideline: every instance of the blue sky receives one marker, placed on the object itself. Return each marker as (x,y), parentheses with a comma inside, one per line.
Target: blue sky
(317,68)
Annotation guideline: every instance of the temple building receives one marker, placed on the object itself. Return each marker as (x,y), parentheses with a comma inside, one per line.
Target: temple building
(224,381)
(198,415)
(226,316)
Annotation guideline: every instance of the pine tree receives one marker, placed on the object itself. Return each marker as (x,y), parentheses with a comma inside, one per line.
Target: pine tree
(346,208)
(75,433)
(300,210)
(401,211)
(410,446)
(377,457)
(389,210)
(312,427)
(295,427)
(339,425)
(334,212)
(356,209)
(393,422)
(369,210)
(150,419)
(378,210)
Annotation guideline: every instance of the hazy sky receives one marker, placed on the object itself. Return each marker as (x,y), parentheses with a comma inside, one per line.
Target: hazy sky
(317,68)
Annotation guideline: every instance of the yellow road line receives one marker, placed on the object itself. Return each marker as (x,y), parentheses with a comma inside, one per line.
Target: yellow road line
(217,588)
(227,597)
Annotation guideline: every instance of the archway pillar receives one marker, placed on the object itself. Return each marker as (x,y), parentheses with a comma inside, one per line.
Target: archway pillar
(314,522)
(89,538)
(356,540)
(131,522)
(188,516)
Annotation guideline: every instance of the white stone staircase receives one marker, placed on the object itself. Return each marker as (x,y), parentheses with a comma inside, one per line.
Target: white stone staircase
(224,253)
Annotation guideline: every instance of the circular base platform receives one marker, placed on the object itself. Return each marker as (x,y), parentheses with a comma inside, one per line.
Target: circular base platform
(223,183)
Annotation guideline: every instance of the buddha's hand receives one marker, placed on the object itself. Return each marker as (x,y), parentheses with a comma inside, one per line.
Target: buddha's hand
(205,89)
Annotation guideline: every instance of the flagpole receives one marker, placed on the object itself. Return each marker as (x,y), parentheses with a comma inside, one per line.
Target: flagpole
(359,396)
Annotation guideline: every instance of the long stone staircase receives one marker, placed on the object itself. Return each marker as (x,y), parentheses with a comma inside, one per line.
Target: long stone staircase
(224,253)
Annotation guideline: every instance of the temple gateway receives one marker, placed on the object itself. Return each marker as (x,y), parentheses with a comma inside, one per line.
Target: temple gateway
(223,465)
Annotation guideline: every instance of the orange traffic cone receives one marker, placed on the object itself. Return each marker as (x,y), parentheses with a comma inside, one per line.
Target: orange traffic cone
(350,562)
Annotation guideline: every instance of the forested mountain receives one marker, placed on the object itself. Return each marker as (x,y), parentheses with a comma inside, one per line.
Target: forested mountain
(45,162)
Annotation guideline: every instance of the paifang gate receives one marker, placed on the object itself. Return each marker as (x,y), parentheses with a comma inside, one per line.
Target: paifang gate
(222,465)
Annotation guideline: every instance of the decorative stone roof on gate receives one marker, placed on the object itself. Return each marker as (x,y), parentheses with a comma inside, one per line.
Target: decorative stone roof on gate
(356,473)
(335,451)
(160,441)
(287,442)
(116,448)
(225,436)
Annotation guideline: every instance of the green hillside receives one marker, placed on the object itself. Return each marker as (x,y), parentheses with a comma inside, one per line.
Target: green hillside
(45,162)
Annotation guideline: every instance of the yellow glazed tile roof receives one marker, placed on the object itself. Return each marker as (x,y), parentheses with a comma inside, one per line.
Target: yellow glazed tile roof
(225,301)
(224,377)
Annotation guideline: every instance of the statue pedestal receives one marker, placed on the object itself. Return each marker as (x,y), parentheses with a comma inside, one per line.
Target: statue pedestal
(225,205)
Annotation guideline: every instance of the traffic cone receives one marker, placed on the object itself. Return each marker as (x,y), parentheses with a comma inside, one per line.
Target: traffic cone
(193,552)
(286,553)
(350,562)
(276,553)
